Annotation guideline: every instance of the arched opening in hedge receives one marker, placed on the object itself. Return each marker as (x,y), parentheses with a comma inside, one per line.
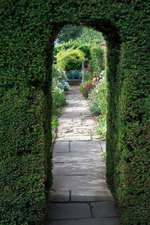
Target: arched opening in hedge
(112,37)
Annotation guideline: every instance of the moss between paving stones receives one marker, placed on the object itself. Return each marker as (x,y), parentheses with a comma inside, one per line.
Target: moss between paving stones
(28,29)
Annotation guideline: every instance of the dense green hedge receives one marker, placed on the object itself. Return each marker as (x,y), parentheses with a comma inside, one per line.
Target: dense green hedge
(21,166)
(26,28)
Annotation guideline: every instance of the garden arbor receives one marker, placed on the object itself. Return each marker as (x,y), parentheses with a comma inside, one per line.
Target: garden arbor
(28,30)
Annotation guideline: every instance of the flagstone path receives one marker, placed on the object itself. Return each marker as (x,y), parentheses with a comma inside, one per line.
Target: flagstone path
(79,195)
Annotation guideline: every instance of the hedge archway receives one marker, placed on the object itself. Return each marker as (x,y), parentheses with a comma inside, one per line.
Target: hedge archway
(28,30)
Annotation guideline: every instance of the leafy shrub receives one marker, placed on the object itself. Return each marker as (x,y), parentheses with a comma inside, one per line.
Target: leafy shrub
(54,125)
(60,79)
(58,99)
(98,105)
(70,59)
(69,32)
(57,74)
(74,44)
(97,59)
(85,48)
(95,108)
(59,85)
(73,63)
(64,85)
(102,126)
(86,87)
(54,122)
(86,76)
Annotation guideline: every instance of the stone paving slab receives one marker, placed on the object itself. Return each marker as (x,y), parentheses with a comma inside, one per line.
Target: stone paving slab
(61,196)
(85,146)
(76,155)
(79,194)
(69,211)
(75,130)
(103,209)
(86,165)
(74,138)
(73,170)
(91,196)
(76,133)
(77,110)
(61,146)
(73,182)
(91,221)
(88,121)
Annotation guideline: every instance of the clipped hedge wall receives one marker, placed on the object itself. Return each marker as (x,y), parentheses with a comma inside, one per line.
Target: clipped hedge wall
(21,165)
(28,29)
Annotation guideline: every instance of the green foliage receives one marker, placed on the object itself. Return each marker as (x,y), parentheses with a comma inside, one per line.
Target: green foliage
(59,86)
(58,99)
(57,74)
(59,79)
(79,33)
(68,33)
(70,59)
(97,59)
(26,28)
(74,44)
(95,109)
(91,36)
(86,76)
(90,44)
(102,126)
(54,125)
(98,105)
(86,87)
(21,165)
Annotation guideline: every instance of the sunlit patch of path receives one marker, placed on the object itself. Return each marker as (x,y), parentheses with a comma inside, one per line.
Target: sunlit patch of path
(79,195)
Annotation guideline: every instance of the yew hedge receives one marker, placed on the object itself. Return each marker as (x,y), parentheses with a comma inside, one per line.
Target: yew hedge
(28,30)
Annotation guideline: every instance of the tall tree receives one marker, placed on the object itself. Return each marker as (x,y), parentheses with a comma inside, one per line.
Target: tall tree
(69,32)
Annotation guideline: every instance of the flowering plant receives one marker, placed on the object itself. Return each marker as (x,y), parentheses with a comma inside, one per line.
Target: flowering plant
(86,87)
